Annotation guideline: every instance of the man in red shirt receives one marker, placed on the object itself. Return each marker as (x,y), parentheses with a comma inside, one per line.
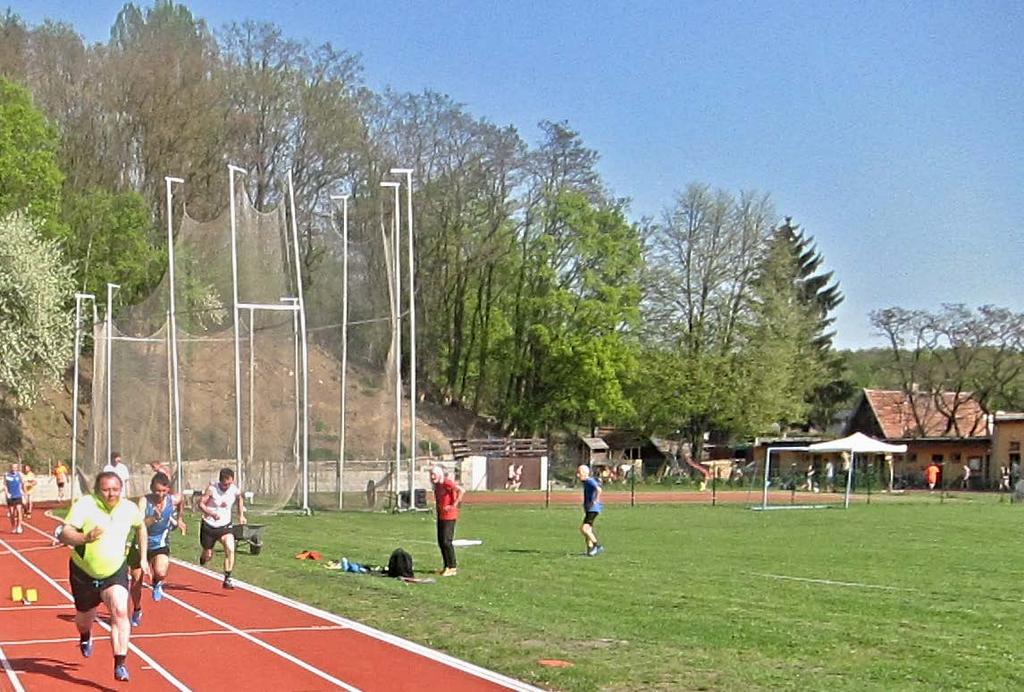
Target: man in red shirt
(447,494)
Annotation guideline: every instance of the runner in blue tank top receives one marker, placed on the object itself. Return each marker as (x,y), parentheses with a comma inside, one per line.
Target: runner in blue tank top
(591,509)
(162,511)
(14,488)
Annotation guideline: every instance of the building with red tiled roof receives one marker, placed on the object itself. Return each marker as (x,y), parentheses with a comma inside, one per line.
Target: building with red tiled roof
(948,428)
(895,415)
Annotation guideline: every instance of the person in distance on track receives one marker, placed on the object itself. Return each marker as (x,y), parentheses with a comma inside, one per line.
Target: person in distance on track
(14,489)
(216,505)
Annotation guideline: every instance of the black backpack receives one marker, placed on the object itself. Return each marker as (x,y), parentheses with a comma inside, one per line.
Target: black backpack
(400,564)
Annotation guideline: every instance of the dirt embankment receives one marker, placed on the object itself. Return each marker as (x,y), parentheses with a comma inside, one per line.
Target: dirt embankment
(42,435)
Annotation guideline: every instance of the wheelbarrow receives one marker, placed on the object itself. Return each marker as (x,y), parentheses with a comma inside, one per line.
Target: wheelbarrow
(251,534)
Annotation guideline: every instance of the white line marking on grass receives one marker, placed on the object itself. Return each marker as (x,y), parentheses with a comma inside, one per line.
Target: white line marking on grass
(259,642)
(412,647)
(167,635)
(830,582)
(11,674)
(60,589)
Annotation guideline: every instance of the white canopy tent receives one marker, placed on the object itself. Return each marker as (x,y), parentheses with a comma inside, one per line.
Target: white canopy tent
(857,443)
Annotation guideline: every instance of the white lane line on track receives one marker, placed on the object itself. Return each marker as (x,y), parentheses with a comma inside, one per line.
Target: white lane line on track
(830,582)
(259,642)
(167,635)
(412,647)
(11,674)
(36,606)
(29,550)
(60,589)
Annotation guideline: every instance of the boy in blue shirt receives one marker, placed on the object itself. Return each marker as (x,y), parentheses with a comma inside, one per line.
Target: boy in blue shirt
(591,508)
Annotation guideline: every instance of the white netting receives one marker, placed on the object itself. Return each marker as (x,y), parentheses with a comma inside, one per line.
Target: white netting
(239,402)
(141,369)
(367,475)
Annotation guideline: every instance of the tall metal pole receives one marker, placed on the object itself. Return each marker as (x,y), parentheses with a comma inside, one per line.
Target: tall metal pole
(305,351)
(296,441)
(234,313)
(252,395)
(849,480)
(767,470)
(412,334)
(344,346)
(79,297)
(109,336)
(396,325)
(174,331)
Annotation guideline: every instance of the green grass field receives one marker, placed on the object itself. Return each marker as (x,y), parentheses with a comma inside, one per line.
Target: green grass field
(901,595)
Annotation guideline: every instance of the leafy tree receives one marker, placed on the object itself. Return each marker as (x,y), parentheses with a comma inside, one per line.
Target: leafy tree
(30,178)
(35,287)
(13,45)
(584,347)
(110,237)
(703,258)
(162,89)
(946,358)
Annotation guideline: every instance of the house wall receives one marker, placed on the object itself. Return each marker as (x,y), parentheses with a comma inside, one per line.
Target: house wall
(1007,441)
(951,456)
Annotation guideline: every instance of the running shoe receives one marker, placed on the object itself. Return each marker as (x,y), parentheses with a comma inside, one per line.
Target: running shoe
(158,591)
(598,549)
(121,673)
(228,583)
(136,617)
(591,552)
(449,572)
(85,647)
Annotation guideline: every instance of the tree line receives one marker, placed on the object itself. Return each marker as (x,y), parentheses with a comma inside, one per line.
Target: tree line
(541,303)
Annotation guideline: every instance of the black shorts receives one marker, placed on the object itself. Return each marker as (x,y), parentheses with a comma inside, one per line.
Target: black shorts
(59,484)
(589,517)
(209,535)
(88,591)
(13,501)
(135,558)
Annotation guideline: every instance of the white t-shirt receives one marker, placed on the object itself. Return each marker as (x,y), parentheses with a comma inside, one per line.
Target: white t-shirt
(121,470)
(221,502)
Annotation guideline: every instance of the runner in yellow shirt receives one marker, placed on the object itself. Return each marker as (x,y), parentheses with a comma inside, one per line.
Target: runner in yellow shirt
(30,484)
(60,473)
(97,528)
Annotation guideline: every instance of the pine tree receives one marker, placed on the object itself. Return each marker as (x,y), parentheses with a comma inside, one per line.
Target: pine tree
(821,295)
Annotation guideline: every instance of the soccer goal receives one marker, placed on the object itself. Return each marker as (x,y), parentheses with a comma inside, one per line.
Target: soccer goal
(823,474)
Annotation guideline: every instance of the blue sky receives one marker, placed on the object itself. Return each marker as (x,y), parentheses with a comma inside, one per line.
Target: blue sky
(892,132)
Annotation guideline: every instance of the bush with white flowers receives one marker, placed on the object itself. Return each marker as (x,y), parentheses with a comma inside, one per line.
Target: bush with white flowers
(36,329)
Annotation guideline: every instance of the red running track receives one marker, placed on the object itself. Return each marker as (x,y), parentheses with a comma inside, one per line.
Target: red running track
(201,637)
